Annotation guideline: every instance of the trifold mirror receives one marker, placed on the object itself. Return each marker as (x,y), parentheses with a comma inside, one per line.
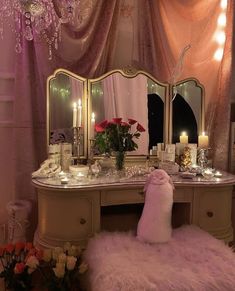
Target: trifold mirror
(163,110)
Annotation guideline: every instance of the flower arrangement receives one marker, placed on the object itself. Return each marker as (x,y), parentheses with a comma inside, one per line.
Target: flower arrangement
(117,136)
(18,262)
(63,267)
(57,269)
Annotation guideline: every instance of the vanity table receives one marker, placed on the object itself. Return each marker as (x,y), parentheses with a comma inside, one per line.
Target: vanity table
(73,213)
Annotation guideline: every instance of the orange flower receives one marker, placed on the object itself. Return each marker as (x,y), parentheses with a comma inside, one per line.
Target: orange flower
(10,248)
(19,246)
(2,250)
(19,268)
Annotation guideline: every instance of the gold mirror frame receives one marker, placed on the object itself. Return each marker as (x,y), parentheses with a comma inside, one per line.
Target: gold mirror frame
(84,105)
(202,121)
(128,73)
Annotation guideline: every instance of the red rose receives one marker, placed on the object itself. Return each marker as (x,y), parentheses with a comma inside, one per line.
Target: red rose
(19,246)
(103,123)
(131,121)
(117,120)
(125,124)
(2,250)
(28,246)
(98,128)
(10,248)
(19,268)
(140,128)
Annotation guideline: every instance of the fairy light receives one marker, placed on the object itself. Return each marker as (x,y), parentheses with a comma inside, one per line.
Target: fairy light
(223,4)
(221,19)
(220,35)
(218,54)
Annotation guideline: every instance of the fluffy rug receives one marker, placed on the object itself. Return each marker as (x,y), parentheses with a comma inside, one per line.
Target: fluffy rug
(191,260)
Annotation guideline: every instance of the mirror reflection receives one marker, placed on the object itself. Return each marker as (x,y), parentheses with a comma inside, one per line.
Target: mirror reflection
(187,110)
(65,91)
(138,97)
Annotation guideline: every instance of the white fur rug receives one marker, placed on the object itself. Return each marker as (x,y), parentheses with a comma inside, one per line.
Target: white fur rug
(191,260)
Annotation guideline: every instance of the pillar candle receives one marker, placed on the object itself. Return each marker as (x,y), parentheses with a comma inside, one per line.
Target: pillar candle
(183,137)
(74,114)
(92,133)
(79,122)
(203,140)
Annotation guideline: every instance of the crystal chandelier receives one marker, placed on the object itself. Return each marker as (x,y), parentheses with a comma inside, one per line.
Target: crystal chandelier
(38,17)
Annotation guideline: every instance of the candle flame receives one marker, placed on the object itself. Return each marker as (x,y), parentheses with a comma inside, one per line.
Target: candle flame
(79,102)
(74,105)
(93,116)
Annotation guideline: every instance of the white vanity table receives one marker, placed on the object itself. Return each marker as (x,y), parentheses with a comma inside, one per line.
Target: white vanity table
(73,213)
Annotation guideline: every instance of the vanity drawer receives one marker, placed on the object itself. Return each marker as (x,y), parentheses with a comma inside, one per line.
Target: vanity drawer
(122,196)
(183,194)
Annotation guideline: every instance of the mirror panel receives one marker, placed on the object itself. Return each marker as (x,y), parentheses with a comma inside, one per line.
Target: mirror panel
(187,107)
(63,90)
(138,96)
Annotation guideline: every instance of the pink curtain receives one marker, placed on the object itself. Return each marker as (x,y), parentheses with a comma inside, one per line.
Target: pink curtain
(87,52)
(168,28)
(164,29)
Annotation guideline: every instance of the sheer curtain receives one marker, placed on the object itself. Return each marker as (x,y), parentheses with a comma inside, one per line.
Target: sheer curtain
(127,98)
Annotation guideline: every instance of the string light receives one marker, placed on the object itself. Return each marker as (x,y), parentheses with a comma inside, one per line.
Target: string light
(223,4)
(218,55)
(221,19)
(220,35)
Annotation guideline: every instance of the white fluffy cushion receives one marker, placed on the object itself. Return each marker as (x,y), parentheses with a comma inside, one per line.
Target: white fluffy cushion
(155,222)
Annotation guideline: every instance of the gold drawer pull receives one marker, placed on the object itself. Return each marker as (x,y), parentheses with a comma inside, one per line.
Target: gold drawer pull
(82,221)
(141,193)
(210,214)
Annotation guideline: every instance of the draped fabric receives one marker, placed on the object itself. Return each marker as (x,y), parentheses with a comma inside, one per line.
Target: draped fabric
(168,28)
(127,98)
(163,29)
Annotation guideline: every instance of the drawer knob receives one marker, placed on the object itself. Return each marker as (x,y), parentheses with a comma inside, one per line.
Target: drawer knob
(210,214)
(141,193)
(82,221)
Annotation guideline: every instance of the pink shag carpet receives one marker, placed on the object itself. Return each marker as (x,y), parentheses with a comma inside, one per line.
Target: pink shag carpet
(191,260)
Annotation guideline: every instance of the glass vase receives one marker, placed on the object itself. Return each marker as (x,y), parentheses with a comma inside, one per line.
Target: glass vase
(119,160)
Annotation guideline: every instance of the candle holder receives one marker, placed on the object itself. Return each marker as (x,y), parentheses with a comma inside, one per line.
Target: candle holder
(202,157)
(77,141)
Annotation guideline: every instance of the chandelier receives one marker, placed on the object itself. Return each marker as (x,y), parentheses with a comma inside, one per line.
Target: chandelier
(29,18)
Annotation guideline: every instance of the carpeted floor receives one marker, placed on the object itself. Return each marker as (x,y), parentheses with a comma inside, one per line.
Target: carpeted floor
(192,260)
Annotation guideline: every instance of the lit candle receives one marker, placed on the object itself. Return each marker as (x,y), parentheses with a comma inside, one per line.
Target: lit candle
(64,180)
(218,174)
(92,125)
(79,113)
(75,114)
(183,137)
(203,140)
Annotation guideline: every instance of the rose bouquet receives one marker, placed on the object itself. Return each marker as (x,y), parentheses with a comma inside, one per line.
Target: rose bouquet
(18,262)
(117,136)
(62,268)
